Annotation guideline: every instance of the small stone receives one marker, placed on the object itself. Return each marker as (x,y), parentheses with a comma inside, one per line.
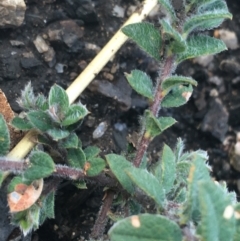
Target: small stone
(108,76)
(216,120)
(114,68)
(91,46)
(12,13)
(16,43)
(41,44)
(100,130)
(60,68)
(118,11)
(31,62)
(131,9)
(216,80)
(73,75)
(67,32)
(204,60)
(82,64)
(214,93)
(229,38)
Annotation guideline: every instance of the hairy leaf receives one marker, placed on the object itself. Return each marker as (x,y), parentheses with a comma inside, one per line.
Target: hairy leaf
(145,227)
(94,166)
(199,45)
(71,141)
(59,98)
(76,157)
(41,165)
(167,5)
(216,212)
(198,172)
(58,134)
(176,80)
(75,113)
(141,83)
(179,95)
(205,21)
(21,124)
(91,151)
(155,126)
(167,169)
(40,120)
(177,43)
(117,165)
(148,183)
(4,137)
(146,36)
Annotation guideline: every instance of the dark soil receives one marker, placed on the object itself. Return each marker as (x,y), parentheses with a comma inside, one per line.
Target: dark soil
(211,116)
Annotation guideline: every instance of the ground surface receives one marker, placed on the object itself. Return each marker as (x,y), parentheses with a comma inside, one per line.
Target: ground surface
(212,114)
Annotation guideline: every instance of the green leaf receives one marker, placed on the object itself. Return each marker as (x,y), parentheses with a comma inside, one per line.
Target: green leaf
(141,83)
(47,207)
(155,126)
(58,134)
(15,181)
(71,141)
(27,220)
(27,99)
(4,137)
(179,95)
(148,183)
(1,178)
(75,113)
(146,36)
(168,169)
(95,166)
(237,213)
(91,151)
(41,102)
(40,120)
(58,98)
(182,171)
(177,43)
(216,212)
(41,165)
(76,157)
(180,196)
(80,184)
(201,45)
(145,227)
(21,124)
(117,165)
(198,171)
(167,5)
(205,21)
(175,80)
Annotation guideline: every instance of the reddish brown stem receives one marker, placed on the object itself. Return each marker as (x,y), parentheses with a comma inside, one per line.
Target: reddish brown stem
(61,171)
(155,107)
(102,218)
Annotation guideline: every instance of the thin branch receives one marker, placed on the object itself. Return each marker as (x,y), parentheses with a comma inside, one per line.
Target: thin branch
(167,69)
(100,224)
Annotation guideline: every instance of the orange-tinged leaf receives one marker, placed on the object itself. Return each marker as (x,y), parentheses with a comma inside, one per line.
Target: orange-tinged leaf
(23,197)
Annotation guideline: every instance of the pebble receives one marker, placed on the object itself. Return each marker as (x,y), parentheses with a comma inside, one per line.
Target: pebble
(41,44)
(12,13)
(108,76)
(16,43)
(100,130)
(228,37)
(204,60)
(118,11)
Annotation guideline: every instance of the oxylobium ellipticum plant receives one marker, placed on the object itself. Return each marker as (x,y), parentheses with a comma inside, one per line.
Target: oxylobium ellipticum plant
(173,198)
